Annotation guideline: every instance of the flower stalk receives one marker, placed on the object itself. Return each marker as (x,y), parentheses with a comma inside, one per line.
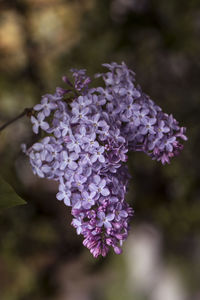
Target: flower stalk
(26,112)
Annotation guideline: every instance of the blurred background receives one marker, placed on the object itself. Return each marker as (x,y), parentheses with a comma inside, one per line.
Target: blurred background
(41,257)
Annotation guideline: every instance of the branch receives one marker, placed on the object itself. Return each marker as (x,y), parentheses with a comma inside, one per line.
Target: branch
(26,112)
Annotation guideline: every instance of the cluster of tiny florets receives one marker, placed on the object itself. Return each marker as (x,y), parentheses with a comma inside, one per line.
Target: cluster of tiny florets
(88,133)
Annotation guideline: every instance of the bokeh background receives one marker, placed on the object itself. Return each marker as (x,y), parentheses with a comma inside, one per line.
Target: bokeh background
(41,257)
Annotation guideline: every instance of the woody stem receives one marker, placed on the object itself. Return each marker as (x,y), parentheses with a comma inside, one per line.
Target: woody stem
(26,112)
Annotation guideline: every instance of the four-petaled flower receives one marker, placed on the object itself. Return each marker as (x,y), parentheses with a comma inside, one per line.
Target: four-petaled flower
(79,181)
(162,129)
(64,194)
(105,220)
(68,160)
(120,213)
(39,123)
(168,144)
(97,155)
(148,126)
(79,115)
(45,106)
(99,186)
(88,199)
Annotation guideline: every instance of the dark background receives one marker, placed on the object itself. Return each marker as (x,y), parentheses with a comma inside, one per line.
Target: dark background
(41,257)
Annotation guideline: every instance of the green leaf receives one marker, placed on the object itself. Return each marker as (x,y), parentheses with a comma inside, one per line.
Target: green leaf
(8,196)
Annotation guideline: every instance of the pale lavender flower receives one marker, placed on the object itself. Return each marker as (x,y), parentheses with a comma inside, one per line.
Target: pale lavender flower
(45,106)
(88,199)
(39,123)
(162,129)
(81,133)
(74,144)
(68,160)
(79,115)
(98,155)
(90,143)
(81,102)
(85,159)
(147,126)
(96,122)
(105,220)
(64,194)
(140,116)
(120,213)
(167,143)
(65,128)
(79,181)
(99,186)
(44,147)
(100,100)
(77,223)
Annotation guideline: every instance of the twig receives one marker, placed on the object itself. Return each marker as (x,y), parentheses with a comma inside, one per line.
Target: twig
(26,112)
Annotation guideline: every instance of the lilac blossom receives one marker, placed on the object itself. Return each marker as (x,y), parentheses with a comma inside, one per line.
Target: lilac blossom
(98,155)
(162,129)
(85,146)
(99,186)
(73,144)
(77,223)
(79,181)
(147,126)
(79,115)
(90,143)
(88,199)
(45,106)
(64,194)
(39,123)
(105,220)
(68,160)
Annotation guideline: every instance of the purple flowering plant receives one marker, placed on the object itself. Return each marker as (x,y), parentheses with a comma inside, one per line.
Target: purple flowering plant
(87,135)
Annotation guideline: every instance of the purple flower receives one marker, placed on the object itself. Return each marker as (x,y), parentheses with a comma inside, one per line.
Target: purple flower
(37,164)
(153,141)
(96,122)
(85,159)
(147,126)
(77,223)
(81,102)
(129,110)
(79,181)
(97,155)
(162,129)
(64,128)
(85,145)
(79,115)
(167,143)
(120,213)
(81,81)
(64,194)
(39,123)
(81,133)
(104,220)
(106,94)
(100,100)
(45,106)
(90,143)
(74,144)
(140,116)
(68,160)
(99,186)
(88,199)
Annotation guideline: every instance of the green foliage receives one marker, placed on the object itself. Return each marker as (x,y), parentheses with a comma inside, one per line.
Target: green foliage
(8,196)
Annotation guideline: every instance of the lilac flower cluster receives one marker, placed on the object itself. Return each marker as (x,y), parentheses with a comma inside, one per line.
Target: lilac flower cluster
(88,132)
